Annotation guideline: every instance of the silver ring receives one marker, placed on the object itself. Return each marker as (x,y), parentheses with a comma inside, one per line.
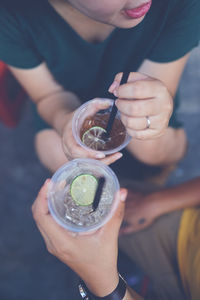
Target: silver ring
(148,122)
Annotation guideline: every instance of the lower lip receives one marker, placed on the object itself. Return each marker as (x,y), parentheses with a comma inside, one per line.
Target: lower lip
(139,11)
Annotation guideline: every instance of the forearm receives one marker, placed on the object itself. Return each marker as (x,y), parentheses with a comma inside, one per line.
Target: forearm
(160,151)
(175,198)
(55,108)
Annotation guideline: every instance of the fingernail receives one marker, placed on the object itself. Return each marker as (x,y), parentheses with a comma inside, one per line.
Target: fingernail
(99,155)
(47,181)
(123,195)
(119,155)
(115,93)
(113,86)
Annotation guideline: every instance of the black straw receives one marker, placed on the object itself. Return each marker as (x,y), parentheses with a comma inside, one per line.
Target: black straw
(98,193)
(114,107)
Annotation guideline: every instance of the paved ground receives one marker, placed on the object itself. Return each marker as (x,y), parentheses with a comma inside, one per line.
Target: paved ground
(27,271)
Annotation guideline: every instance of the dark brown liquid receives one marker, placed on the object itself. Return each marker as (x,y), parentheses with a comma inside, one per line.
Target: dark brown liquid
(117,134)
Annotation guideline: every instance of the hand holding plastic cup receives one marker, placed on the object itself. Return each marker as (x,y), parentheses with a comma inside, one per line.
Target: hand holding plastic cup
(89,127)
(72,191)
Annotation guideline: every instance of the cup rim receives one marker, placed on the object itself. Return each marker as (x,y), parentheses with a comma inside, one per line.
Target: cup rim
(76,228)
(77,137)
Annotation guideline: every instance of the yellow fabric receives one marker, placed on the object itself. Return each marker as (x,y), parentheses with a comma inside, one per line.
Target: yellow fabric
(189,252)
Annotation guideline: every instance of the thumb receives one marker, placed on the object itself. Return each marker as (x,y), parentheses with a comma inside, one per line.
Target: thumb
(113,225)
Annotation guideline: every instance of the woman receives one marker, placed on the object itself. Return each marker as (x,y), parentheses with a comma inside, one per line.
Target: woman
(65,52)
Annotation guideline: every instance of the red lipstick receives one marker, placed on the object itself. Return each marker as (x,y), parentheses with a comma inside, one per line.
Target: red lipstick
(138,12)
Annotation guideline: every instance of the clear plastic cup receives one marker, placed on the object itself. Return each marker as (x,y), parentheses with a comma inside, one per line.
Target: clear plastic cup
(90,108)
(69,214)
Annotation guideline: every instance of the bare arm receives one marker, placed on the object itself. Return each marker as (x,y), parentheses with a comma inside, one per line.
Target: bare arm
(56,106)
(151,206)
(179,197)
(169,73)
(53,102)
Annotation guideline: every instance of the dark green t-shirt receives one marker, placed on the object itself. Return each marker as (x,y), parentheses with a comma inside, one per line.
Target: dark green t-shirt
(32,32)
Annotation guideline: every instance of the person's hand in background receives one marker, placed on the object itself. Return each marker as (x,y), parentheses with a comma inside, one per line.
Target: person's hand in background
(141,211)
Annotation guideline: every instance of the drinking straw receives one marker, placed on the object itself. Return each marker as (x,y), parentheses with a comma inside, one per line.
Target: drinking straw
(114,107)
(98,193)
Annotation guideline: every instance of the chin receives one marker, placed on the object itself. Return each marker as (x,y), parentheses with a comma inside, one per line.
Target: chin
(128,23)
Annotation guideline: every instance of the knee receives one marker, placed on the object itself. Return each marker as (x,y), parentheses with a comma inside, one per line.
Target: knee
(41,139)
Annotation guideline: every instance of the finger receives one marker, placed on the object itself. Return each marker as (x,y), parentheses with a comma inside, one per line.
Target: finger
(114,223)
(98,104)
(127,230)
(73,150)
(51,230)
(158,122)
(112,158)
(134,123)
(41,200)
(141,89)
(145,134)
(133,76)
(45,237)
(141,108)
(114,86)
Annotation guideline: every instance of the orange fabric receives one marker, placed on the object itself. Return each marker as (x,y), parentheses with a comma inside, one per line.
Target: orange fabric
(189,252)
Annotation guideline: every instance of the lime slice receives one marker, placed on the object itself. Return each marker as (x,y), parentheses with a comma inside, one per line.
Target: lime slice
(92,138)
(83,189)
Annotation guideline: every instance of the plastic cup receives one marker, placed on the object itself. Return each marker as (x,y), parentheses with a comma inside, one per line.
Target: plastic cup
(66,212)
(90,108)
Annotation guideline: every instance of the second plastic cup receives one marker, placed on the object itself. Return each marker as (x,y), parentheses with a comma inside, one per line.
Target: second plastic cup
(70,190)
(89,124)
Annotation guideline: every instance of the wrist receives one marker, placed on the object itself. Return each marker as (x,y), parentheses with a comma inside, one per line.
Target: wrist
(61,118)
(103,284)
(160,202)
(116,293)
(57,107)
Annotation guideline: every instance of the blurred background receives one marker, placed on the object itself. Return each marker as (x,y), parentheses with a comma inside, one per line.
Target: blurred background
(27,271)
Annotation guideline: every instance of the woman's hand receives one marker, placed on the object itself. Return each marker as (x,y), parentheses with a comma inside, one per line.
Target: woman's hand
(93,256)
(140,212)
(145,105)
(72,150)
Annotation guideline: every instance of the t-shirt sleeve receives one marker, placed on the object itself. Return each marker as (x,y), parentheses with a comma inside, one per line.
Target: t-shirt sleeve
(180,34)
(16,48)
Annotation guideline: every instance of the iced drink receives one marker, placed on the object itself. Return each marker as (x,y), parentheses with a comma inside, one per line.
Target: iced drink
(72,191)
(89,127)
